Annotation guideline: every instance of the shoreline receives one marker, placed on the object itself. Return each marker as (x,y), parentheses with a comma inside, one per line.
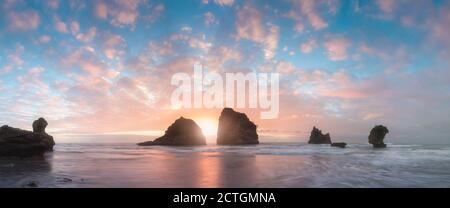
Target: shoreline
(264,165)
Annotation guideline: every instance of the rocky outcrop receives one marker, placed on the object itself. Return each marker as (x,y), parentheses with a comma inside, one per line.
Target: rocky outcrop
(376,137)
(22,143)
(183,132)
(318,138)
(236,129)
(339,144)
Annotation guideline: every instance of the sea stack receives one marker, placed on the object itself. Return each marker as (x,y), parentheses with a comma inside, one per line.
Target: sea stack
(183,132)
(236,129)
(376,137)
(21,143)
(318,138)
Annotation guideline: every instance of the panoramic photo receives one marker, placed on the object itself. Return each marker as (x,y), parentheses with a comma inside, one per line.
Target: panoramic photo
(225,94)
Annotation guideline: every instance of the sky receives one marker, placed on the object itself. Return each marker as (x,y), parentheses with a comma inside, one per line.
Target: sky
(103,67)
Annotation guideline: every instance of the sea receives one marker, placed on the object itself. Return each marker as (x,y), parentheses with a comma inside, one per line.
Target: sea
(265,165)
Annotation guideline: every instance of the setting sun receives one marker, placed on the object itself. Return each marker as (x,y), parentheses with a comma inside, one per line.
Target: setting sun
(208,126)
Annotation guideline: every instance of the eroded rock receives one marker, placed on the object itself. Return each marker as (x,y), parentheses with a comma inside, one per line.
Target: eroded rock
(236,129)
(376,136)
(183,132)
(317,137)
(22,143)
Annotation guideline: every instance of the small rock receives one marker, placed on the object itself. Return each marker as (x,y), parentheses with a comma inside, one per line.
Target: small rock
(65,180)
(339,144)
(32,184)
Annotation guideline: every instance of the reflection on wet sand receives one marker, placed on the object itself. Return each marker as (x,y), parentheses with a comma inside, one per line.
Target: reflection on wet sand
(237,170)
(205,170)
(264,165)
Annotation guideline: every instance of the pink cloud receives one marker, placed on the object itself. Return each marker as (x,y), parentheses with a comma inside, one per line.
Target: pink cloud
(60,26)
(337,48)
(33,79)
(407,21)
(83,37)
(163,49)
(44,39)
(14,60)
(200,44)
(249,26)
(7,4)
(372,115)
(308,9)
(88,36)
(86,60)
(54,4)
(299,27)
(285,67)
(121,12)
(387,6)
(336,85)
(224,2)
(74,27)
(101,10)
(155,13)
(374,52)
(113,46)
(210,19)
(439,28)
(23,21)
(91,68)
(218,56)
(308,46)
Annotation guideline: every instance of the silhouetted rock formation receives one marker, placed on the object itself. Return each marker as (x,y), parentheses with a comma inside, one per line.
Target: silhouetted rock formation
(183,132)
(318,138)
(377,135)
(39,125)
(235,129)
(339,144)
(22,143)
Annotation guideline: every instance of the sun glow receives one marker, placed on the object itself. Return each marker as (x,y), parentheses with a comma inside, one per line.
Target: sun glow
(208,126)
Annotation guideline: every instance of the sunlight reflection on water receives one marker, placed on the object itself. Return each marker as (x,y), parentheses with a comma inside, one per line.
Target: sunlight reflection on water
(266,165)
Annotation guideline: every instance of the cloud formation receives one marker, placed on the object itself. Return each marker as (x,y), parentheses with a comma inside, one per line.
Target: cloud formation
(119,12)
(249,25)
(344,65)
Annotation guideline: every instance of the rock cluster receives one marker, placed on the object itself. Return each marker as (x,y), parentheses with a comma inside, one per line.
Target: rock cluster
(317,137)
(234,128)
(22,143)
